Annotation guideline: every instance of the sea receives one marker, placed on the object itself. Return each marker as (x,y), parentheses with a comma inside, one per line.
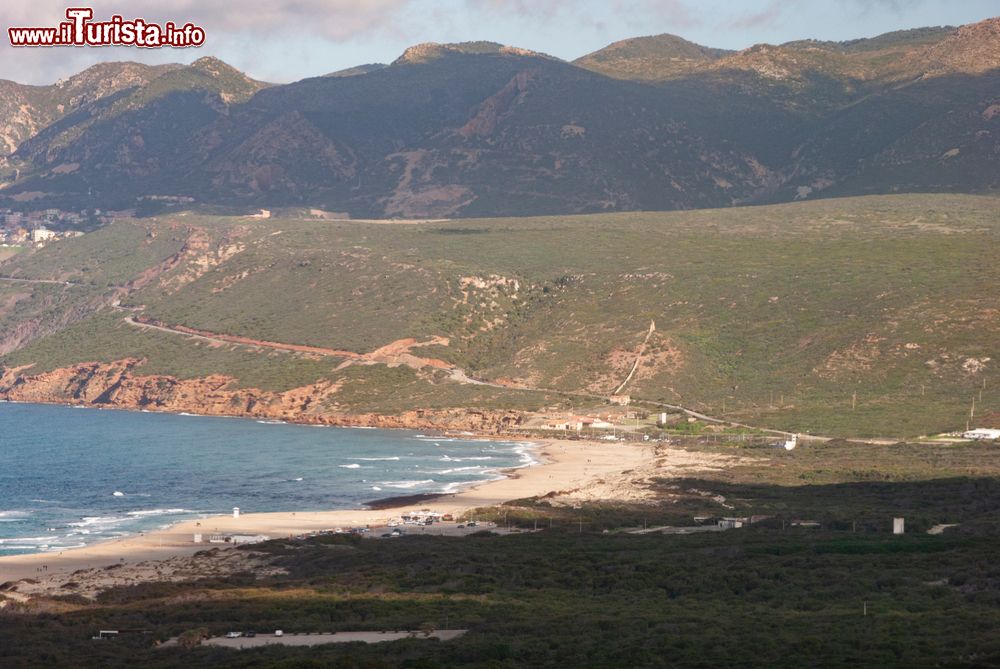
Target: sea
(73,476)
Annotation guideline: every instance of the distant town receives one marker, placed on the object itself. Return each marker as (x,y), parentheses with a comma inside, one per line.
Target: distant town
(36,228)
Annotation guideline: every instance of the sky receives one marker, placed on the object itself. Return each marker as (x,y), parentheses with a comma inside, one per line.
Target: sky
(286,40)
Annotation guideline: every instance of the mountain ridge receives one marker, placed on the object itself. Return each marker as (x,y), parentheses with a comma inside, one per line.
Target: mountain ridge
(484,129)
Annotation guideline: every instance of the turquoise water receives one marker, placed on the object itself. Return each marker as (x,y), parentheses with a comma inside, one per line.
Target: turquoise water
(70,476)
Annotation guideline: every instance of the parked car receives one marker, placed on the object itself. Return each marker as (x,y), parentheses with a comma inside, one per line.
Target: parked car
(250,634)
(278,633)
(234,635)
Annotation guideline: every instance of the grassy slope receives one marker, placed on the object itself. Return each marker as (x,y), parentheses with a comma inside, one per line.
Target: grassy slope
(782,313)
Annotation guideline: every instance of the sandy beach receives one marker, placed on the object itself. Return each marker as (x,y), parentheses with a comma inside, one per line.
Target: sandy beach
(574,470)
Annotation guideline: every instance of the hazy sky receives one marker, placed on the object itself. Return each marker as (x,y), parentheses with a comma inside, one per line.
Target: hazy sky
(285,40)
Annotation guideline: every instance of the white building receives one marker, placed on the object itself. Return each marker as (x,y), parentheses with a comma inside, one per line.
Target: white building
(42,234)
(249,538)
(589,423)
(982,434)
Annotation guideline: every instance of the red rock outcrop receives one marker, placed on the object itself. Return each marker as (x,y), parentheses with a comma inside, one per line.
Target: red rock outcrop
(117,385)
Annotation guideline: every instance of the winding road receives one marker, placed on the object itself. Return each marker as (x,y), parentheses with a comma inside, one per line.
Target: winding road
(456,373)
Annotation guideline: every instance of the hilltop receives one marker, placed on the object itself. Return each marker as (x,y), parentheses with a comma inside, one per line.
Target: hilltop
(654,58)
(106,90)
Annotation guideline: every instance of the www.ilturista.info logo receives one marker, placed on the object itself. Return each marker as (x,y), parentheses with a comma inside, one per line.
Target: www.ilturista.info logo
(79,30)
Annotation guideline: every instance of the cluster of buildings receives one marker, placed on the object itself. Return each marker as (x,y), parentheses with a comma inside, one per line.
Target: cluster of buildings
(35,228)
(579,423)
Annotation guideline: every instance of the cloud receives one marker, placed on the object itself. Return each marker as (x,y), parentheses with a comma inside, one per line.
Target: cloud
(332,19)
(767,16)
(637,14)
(673,12)
(524,8)
(896,6)
(234,28)
(775,11)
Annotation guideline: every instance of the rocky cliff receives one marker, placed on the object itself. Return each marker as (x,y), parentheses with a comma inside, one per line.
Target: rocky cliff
(118,385)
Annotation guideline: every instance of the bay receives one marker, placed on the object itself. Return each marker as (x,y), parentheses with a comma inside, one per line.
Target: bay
(71,476)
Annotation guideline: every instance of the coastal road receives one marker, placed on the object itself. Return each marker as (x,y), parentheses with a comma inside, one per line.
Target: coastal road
(241,341)
(51,282)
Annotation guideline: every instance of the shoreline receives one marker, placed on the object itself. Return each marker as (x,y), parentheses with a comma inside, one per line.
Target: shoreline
(562,466)
(343,421)
(522,449)
(73,385)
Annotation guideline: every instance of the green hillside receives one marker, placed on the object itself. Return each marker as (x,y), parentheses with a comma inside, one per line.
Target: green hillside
(781,316)
(653,58)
